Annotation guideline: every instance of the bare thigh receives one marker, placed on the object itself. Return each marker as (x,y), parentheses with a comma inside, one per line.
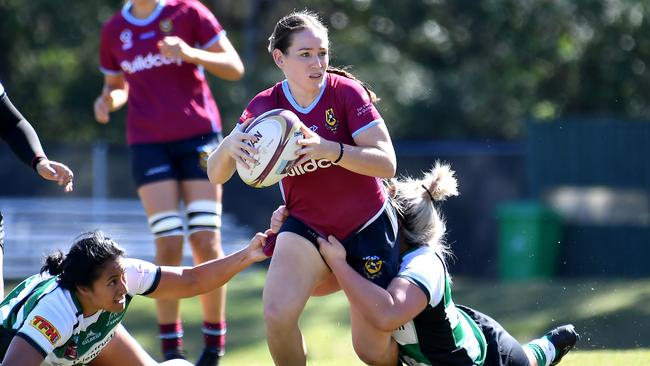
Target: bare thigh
(296,270)
(159,196)
(193,190)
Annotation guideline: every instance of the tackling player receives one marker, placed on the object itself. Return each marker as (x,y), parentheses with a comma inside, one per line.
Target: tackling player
(71,313)
(416,317)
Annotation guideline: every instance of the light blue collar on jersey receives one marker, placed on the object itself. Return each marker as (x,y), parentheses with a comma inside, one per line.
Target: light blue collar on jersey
(126,13)
(292,100)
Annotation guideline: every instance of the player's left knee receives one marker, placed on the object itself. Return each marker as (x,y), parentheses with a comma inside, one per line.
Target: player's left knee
(203,215)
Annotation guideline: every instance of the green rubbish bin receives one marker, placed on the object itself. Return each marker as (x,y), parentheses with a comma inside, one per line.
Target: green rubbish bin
(529,240)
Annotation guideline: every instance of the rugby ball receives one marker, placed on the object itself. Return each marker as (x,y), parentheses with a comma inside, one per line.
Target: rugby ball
(277,132)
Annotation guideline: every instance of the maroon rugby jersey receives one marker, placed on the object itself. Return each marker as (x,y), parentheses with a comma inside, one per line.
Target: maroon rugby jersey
(169,100)
(330,199)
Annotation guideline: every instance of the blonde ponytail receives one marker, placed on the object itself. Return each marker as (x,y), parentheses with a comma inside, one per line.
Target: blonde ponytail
(415,199)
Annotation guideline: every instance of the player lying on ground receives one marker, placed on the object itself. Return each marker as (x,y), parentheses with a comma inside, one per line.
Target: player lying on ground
(415,318)
(71,312)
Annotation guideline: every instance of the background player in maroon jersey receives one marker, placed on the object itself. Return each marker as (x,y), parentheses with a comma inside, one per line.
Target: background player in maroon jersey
(334,187)
(153,53)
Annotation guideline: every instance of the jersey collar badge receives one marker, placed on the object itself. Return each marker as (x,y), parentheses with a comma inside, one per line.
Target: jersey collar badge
(166,26)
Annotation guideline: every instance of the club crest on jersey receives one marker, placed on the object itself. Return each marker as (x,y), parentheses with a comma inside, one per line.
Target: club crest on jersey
(126,37)
(46,328)
(166,25)
(372,266)
(331,122)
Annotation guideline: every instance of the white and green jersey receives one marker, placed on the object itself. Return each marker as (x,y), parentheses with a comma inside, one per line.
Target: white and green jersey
(50,318)
(441,334)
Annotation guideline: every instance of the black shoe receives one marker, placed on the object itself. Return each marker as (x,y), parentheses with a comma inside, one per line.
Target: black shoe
(172,355)
(564,339)
(209,357)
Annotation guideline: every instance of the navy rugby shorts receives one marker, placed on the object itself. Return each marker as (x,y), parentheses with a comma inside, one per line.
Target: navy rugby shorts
(176,160)
(372,251)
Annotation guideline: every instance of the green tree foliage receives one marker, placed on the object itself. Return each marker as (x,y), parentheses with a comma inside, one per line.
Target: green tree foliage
(444,69)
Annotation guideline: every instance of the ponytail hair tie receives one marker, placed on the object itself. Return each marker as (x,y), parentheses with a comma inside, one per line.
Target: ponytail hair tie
(429,193)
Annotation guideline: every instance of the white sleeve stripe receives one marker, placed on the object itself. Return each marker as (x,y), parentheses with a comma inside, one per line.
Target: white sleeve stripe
(109,72)
(214,40)
(371,124)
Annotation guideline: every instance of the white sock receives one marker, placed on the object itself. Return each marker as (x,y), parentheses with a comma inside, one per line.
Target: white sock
(543,350)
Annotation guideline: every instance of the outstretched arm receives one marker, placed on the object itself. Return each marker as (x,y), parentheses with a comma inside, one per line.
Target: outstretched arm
(19,133)
(24,142)
(52,170)
(179,282)
(385,309)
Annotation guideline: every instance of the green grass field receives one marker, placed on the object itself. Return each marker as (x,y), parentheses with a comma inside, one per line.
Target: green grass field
(612,316)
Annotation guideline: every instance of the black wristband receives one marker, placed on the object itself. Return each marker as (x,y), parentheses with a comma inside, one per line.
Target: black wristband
(340,154)
(36,160)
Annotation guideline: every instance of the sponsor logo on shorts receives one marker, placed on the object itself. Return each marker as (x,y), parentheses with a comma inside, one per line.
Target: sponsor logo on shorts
(372,266)
(46,328)
(331,122)
(158,170)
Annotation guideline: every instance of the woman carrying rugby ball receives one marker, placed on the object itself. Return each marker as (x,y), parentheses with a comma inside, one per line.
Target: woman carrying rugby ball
(348,142)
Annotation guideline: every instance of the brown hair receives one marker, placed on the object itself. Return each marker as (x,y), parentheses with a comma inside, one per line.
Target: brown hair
(300,20)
